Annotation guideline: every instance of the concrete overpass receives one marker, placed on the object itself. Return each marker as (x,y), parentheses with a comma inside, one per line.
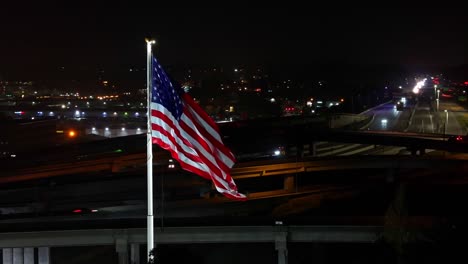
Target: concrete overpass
(19,247)
(122,162)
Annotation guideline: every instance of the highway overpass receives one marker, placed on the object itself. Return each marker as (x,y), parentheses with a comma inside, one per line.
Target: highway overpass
(100,187)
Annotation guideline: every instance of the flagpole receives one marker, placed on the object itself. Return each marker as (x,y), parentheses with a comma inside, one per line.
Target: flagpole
(149,151)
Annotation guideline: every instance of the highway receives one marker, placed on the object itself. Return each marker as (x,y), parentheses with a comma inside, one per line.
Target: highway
(426,119)
(455,113)
(324,149)
(94,193)
(116,186)
(386,117)
(421,117)
(108,176)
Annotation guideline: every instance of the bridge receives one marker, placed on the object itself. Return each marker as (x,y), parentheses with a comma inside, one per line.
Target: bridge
(19,247)
(100,187)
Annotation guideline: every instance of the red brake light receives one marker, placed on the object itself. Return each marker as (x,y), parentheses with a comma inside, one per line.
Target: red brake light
(77,211)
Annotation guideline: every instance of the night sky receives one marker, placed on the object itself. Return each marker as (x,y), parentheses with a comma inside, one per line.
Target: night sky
(36,41)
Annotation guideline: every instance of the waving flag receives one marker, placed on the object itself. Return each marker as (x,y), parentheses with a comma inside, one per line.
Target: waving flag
(182,127)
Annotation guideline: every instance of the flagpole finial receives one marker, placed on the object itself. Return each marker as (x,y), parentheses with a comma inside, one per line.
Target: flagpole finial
(150,41)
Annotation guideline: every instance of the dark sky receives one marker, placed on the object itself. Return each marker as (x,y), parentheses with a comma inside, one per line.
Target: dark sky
(37,40)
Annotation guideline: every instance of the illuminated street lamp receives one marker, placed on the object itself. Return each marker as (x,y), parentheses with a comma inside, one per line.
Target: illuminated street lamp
(446,122)
(71,134)
(418,86)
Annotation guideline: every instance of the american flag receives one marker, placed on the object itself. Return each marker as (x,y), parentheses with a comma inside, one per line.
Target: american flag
(180,126)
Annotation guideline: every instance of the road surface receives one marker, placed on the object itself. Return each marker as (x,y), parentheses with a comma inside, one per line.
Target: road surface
(421,117)
(426,119)
(387,118)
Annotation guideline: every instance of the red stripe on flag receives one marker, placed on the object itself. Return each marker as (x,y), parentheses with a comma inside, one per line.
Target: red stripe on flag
(214,167)
(174,142)
(210,138)
(204,144)
(184,165)
(188,99)
(169,122)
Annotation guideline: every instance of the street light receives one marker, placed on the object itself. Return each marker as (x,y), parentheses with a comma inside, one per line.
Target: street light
(446,122)
(437,100)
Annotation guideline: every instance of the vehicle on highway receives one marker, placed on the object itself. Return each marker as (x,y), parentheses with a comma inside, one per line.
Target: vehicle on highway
(458,139)
(399,106)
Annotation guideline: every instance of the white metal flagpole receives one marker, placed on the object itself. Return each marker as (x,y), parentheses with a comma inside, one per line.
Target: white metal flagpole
(149,151)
